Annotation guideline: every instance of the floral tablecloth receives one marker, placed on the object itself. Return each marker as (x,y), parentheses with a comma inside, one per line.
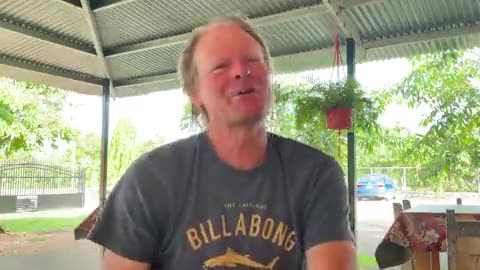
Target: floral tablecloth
(422,228)
(82,230)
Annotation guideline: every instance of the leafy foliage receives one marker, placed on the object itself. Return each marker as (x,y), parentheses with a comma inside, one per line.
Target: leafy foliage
(335,94)
(299,112)
(445,82)
(31,116)
(121,149)
(87,155)
(447,155)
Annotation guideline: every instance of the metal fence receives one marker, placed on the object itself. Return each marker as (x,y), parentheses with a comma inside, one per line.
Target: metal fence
(31,178)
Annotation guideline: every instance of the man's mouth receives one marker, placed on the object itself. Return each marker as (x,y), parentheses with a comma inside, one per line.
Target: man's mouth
(244,92)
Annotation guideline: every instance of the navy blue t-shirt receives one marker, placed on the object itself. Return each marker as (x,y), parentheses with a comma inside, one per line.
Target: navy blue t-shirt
(181,207)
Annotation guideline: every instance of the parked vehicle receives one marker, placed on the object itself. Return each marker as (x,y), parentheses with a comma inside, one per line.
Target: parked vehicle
(376,186)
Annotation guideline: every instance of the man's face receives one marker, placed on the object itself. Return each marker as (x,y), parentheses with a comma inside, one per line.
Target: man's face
(233,80)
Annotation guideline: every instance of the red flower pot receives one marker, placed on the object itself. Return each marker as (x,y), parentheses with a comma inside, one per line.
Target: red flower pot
(339,118)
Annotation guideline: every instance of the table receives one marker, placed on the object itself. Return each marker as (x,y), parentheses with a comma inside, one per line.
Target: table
(82,230)
(419,233)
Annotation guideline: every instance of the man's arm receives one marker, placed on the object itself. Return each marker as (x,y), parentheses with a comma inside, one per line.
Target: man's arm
(130,225)
(338,255)
(328,239)
(113,261)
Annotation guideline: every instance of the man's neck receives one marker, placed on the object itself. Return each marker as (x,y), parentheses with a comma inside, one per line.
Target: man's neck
(243,148)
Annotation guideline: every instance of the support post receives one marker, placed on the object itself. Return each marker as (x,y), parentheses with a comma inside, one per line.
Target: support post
(352,185)
(104,145)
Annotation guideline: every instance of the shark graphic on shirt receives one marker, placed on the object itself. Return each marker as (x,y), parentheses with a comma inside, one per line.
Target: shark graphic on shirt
(233,259)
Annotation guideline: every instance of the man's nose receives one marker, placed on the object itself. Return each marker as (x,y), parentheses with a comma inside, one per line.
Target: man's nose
(241,70)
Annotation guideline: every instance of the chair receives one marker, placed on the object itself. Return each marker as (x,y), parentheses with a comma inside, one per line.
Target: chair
(397,210)
(406,204)
(463,243)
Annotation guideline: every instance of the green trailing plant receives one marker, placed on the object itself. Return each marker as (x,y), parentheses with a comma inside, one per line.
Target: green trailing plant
(338,94)
(315,101)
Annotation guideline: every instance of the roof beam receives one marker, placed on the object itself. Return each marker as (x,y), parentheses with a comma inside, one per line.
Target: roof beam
(107,4)
(354,3)
(97,41)
(75,3)
(146,80)
(32,32)
(50,70)
(282,64)
(344,24)
(257,22)
(313,59)
(422,37)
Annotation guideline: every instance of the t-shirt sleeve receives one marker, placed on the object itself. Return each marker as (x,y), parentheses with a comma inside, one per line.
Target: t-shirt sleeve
(129,222)
(326,216)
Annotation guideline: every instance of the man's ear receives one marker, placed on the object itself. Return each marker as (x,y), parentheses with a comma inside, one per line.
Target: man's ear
(195,98)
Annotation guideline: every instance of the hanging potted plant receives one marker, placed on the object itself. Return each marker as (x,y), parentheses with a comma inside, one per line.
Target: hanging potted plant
(336,100)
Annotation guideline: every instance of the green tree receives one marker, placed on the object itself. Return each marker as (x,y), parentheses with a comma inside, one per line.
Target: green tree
(87,156)
(87,152)
(446,82)
(447,155)
(31,116)
(121,151)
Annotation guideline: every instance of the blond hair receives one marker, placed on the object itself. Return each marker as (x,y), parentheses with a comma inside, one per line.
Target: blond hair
(187,71)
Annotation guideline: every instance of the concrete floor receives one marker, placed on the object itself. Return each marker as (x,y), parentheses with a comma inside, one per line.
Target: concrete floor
(82,256)
(374,219)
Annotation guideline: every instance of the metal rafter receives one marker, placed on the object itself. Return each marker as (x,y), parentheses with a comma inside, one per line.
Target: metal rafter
(108,4)
(50,70)
(258,22)
(304,56)
(282,61)
(33,32)
(345,25)
(146,80)
(97,41)
(426,36)
(74,3)
(354,3)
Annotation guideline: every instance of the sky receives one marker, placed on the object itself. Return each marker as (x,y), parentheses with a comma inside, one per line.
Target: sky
(158,114)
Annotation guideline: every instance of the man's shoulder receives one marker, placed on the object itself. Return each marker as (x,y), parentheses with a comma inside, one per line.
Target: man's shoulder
(169,154)
(178,147)
(296,150)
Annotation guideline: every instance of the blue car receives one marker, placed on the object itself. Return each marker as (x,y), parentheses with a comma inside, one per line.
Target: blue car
(376,186)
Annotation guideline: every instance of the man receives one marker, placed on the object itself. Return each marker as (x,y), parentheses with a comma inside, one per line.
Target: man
(234,196)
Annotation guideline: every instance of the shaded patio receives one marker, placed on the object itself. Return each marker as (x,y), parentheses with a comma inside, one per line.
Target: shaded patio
(115,48)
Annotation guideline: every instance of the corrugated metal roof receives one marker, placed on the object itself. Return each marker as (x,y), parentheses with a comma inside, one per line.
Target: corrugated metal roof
(47,53)
(143,20)
(55,81)
(411,49)
(391,18)
(143,63)
(53,35)
(300,35)
(51,16)
(303,34)
(134,90)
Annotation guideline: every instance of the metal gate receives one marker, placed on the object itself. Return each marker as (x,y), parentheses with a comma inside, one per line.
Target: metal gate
(32,185)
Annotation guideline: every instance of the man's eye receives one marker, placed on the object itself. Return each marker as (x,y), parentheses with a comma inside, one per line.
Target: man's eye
(252,59)
(219,66)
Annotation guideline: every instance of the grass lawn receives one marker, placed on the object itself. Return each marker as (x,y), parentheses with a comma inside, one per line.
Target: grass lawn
(366,261)
(40,224)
